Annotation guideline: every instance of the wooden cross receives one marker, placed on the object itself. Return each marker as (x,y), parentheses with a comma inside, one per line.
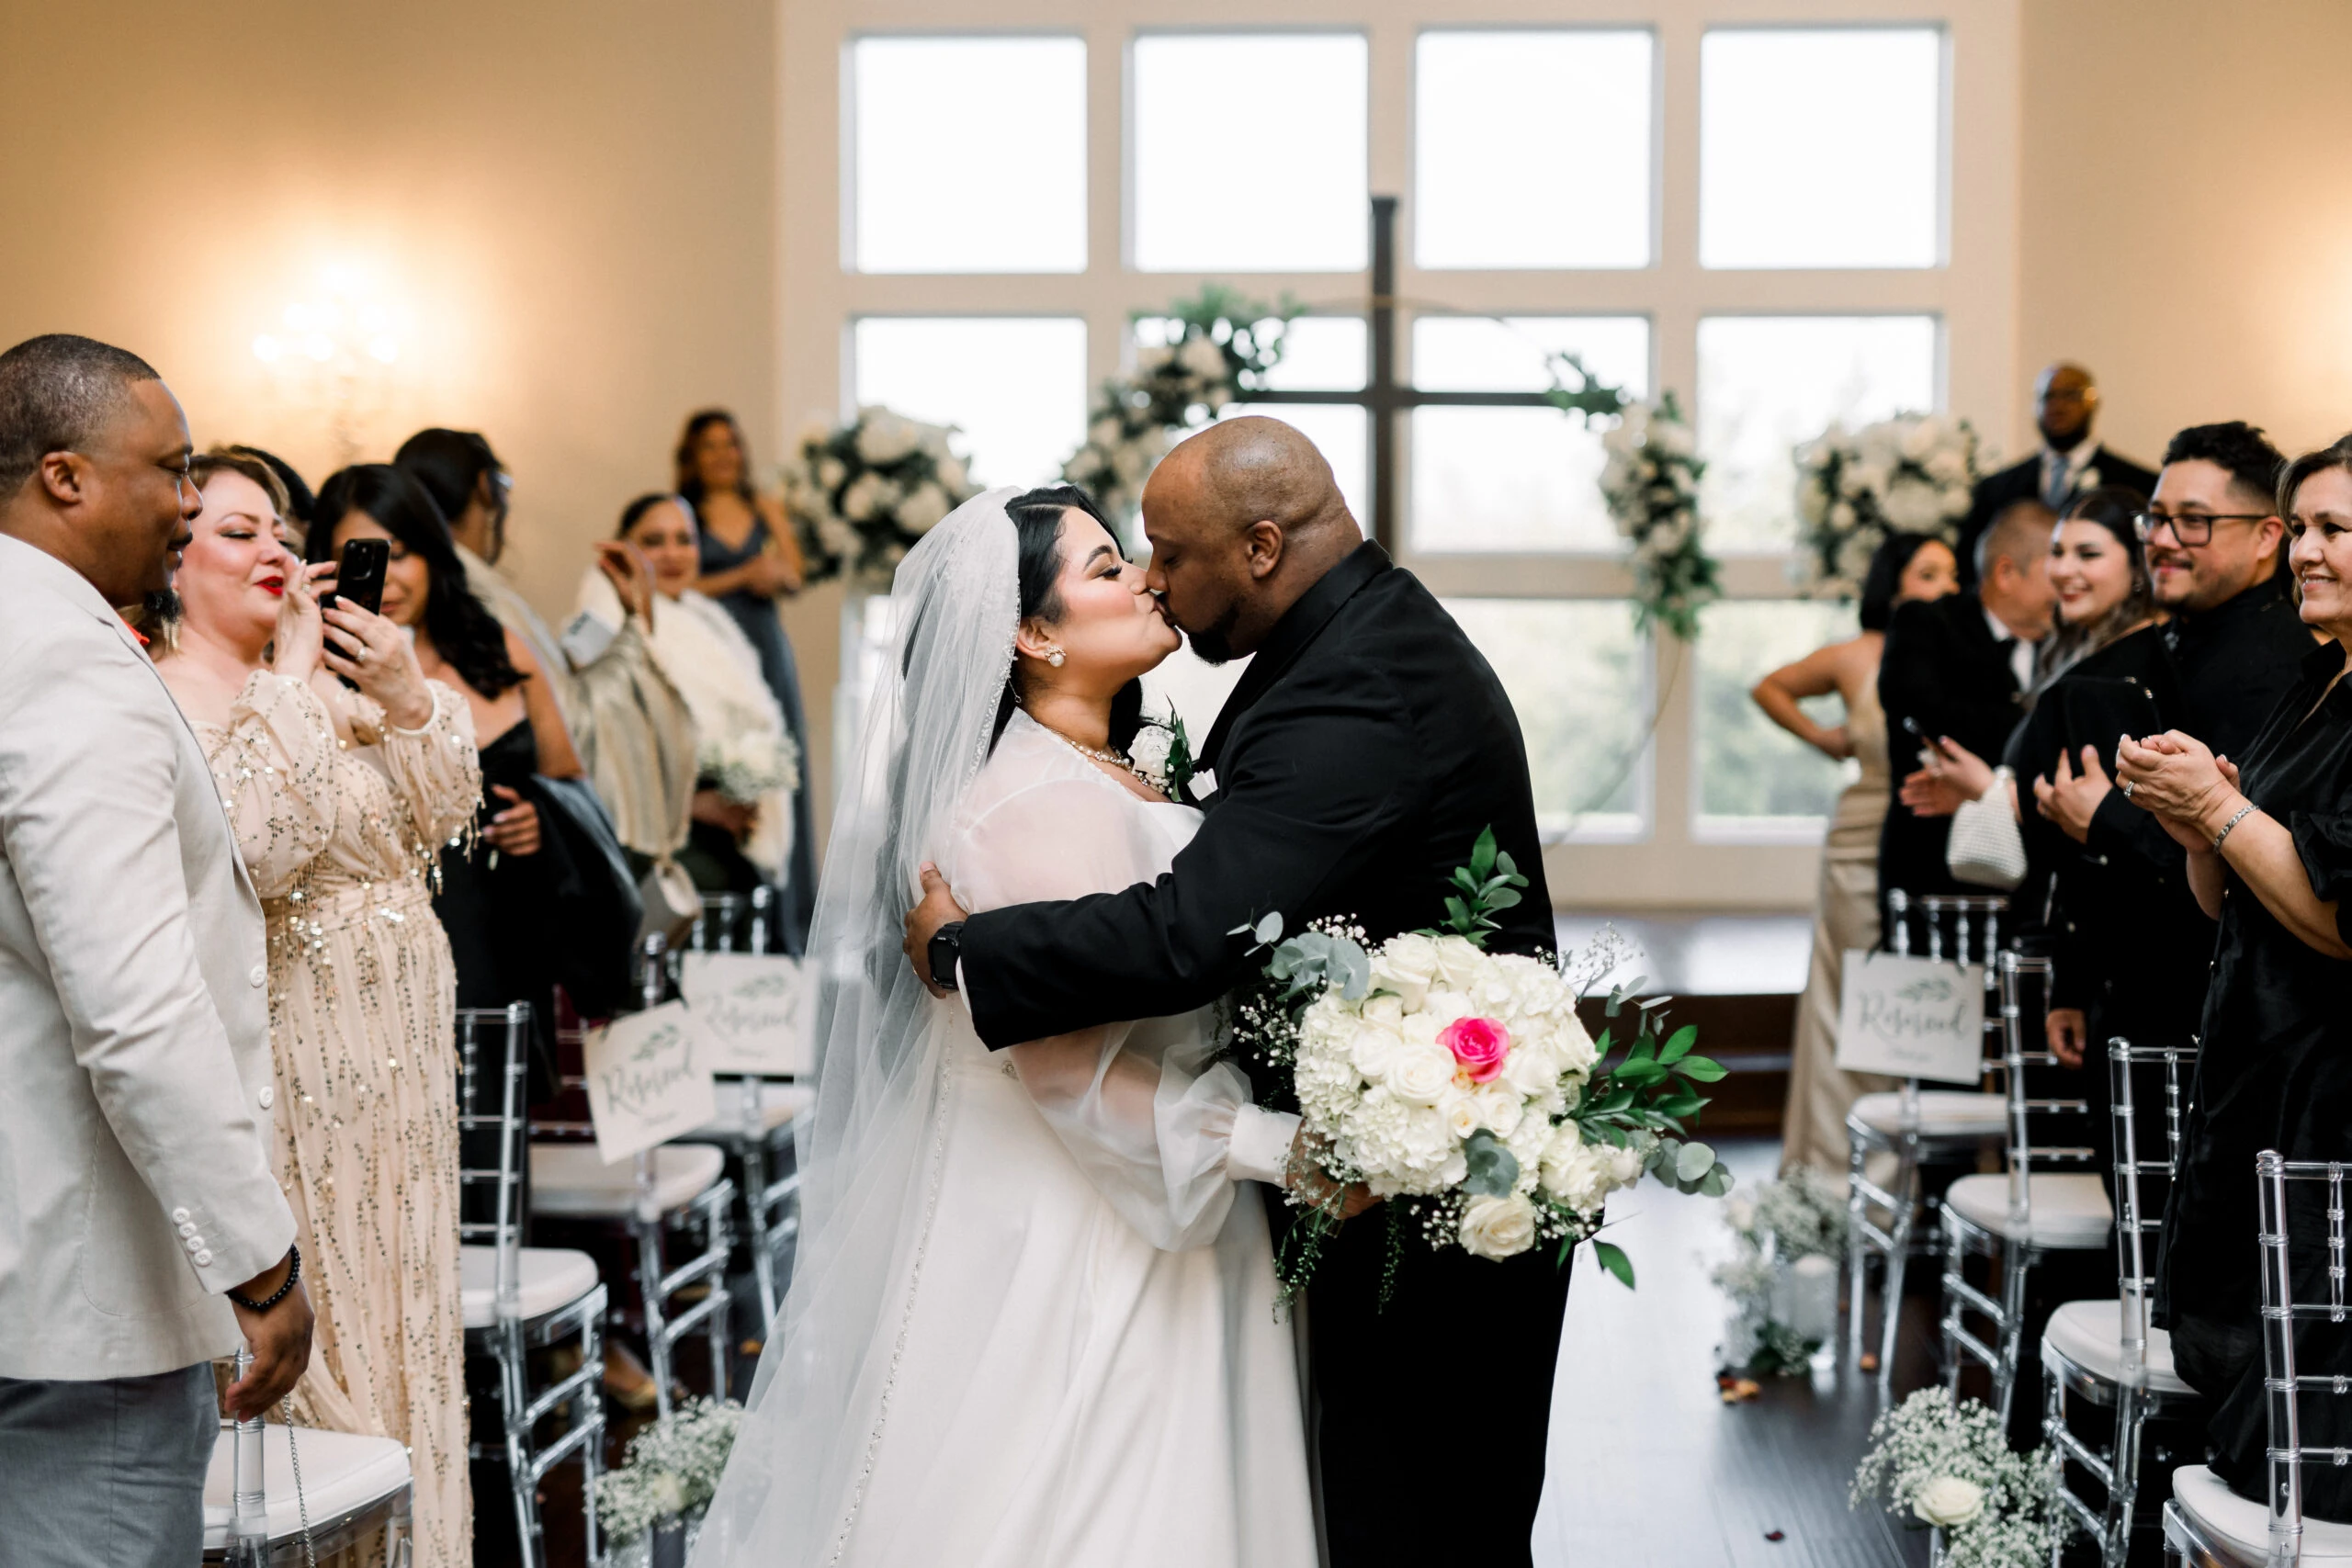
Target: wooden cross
(1385,398)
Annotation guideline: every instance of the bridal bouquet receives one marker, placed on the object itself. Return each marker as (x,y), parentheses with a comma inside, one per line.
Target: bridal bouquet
(863,493)
(747,764)
(1914,474)
(1460,1085)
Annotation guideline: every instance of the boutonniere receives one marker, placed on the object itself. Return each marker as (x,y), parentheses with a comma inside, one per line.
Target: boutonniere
(2087,481)
(1164,753)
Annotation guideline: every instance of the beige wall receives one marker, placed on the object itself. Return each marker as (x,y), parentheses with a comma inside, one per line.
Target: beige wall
(572,204)
(2184,230)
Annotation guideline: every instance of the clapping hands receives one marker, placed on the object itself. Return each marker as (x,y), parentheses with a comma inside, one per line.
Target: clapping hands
(2176,777)
(2070,799)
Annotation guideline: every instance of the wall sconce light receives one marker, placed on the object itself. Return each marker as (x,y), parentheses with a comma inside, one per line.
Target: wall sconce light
(337,350)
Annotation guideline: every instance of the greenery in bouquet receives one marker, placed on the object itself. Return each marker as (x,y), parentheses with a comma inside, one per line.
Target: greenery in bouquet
(1912,474)
(1461,1087)
(1946,1466)
(672,1467)
(862,493)
(1774,1227)
(749,763)
(1218,344)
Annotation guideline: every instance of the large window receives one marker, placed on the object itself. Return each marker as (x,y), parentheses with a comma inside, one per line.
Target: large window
(1785,216)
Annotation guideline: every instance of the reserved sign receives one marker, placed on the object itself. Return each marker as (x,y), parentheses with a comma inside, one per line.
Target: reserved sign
(649,1079)
(754,1011)
(1912,1018)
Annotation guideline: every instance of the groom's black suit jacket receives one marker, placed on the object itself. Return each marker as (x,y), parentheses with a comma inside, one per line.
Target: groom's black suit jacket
(1366,746)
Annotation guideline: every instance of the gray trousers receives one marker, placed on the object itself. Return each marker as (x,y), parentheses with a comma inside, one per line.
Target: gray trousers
(107,1471)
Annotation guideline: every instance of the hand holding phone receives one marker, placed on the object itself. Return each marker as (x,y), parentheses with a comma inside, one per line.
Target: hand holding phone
(360,577)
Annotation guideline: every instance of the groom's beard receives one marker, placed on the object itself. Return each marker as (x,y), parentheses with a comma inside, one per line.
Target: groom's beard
(1213,644)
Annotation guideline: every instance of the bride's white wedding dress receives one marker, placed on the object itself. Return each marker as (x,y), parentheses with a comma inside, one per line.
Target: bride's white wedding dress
(1032,1324)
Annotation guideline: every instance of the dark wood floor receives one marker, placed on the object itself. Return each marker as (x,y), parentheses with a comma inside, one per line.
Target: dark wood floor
(1650,1469)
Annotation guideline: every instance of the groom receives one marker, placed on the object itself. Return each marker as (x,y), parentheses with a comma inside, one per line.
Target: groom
(1351,771)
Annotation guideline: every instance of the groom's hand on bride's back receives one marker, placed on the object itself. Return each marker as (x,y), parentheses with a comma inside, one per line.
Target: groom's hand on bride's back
(938,907)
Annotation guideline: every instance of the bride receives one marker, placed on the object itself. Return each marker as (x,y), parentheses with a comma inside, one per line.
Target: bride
(1032,1319)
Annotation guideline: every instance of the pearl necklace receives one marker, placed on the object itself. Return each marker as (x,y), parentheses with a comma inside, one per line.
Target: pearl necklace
(1112,759)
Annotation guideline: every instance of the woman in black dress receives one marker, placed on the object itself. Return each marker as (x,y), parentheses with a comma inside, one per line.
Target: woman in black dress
(2269,843)
(751,559)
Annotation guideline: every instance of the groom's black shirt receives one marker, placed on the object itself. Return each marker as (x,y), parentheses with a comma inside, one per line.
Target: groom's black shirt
(1364,749)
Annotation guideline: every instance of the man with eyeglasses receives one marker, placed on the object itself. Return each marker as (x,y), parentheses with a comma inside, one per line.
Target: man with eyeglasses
(2065,403)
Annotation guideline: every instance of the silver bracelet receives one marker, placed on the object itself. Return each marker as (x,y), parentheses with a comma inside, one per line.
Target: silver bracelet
(2230,824)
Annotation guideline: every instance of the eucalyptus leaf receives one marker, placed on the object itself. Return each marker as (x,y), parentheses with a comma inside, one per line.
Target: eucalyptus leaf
(1494,1170)
(1695,1161)
(1717,1182)
(1271,928)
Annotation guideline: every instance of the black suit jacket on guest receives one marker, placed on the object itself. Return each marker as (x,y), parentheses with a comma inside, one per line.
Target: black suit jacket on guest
(1943,668)
(1366,746)
(2022,481)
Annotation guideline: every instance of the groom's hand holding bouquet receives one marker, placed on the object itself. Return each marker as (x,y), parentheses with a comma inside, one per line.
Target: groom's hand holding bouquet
(1460,1086)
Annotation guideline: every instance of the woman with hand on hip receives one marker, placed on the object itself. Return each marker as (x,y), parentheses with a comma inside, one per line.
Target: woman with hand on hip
(748,560)
(2270,842)
(340,799)
(1907,567)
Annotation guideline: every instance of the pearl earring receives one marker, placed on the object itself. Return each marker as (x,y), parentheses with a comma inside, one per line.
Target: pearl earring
(1055,658)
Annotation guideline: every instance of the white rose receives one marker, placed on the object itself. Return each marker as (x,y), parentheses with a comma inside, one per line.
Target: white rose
(883,438)
(1919,438)
(815,430)
(1460,963)
(831,471)
(1911,507)
(1464,1113)
(1200,357)
(1104,431)
(1947,465)
(863,497)
(1420,1074)
(1841,516)
(1405,964)
(1373,1050)
(1498,1109)
(1498,1227)
(1865,478)
(1532,1068)
(1385,1012)
(1153,358)
(922,511)
(1949,1501)
(952,476)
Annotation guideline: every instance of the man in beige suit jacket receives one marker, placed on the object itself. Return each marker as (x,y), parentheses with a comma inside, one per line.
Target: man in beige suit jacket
(135,1185)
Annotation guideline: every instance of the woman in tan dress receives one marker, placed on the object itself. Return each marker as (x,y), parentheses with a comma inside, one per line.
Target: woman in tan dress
(1906,567)
(341,801)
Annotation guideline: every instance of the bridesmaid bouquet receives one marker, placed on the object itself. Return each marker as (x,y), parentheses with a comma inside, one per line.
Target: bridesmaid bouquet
(1461,1087)
(749,764)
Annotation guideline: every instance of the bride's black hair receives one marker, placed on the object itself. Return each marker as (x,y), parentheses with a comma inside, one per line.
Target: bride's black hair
(1038,522)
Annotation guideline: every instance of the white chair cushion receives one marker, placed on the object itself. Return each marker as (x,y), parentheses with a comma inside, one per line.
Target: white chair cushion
(1943,1112)
(780,1103)
(573,1178)
(2090,1334)
(546,1278)
(342,1473)
(2069,1211)
(2245,1525)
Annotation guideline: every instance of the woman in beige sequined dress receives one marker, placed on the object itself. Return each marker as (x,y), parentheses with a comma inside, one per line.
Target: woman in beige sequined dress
(339,801)
(1812,1126)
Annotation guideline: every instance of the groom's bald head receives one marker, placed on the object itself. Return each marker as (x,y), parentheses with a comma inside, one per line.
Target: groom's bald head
(1243,518)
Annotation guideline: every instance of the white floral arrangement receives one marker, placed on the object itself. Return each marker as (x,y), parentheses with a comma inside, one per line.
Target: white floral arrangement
(1223,344)
(673,1468)
(1912,474)
(1650,484)
(1781,1279)
(1950,1467)
(1461,1086)
(749,763)
(862,494)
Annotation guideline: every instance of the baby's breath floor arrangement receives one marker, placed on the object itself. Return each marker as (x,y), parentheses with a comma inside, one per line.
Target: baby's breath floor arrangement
(1938,1465)
(672,1471)
(1781,1279)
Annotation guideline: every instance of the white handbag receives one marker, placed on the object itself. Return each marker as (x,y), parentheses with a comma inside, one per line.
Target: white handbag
(1986,848)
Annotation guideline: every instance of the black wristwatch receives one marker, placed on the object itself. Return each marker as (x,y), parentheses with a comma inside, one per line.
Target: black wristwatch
(946,947)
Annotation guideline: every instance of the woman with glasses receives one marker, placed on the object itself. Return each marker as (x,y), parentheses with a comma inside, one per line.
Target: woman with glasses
(2268,837)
